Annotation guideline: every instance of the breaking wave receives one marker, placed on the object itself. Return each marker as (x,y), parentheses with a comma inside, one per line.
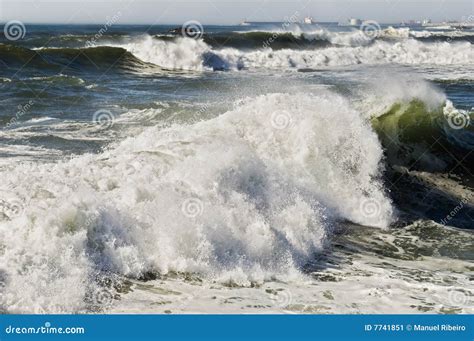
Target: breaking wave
(188,54)
(284,52)
(428,139)
(285,170)
(298,37)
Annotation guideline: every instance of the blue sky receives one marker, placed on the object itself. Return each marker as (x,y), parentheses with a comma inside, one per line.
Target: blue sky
(229,12)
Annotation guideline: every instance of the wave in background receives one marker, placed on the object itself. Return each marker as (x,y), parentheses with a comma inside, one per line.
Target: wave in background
(174,53)
(189,54)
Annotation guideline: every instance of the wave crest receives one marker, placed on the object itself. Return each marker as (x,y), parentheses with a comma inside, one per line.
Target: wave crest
(155,203)
(189,54)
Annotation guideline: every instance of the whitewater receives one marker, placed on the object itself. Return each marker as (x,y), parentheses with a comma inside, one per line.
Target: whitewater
(189,54)
(164,174)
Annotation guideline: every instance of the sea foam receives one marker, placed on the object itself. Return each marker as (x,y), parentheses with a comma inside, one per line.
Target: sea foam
(196,55)
(245,197)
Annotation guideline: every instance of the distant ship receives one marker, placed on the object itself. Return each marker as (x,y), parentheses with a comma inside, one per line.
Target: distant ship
(426,22)
(244,23)
(308,20)
(351,22)
(355,22)
(447,25)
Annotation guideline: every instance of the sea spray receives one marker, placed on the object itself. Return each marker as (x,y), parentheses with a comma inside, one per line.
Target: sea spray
(190,54)
(261,209)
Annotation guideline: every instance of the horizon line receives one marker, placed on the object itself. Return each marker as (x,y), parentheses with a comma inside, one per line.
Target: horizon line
(220,24)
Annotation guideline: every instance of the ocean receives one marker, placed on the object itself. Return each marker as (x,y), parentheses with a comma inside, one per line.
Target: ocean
(259,168)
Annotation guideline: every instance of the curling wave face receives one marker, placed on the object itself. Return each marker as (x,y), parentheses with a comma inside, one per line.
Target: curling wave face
(285,170)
